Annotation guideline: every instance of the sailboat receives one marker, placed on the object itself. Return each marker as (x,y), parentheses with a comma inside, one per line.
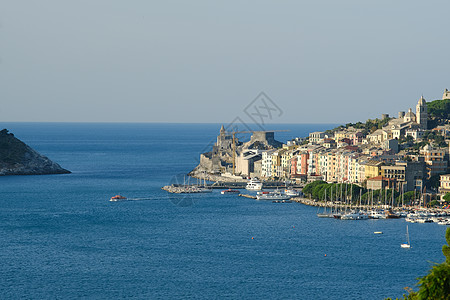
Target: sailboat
(406,245)
(324,214)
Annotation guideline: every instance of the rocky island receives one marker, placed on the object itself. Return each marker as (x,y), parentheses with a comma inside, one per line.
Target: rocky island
(17,158)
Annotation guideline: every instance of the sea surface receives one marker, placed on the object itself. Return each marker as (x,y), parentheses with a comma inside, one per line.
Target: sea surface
(61,238)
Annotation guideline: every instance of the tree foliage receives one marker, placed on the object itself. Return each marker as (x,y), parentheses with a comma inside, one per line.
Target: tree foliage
(447,197)
(308,189)
(439,108)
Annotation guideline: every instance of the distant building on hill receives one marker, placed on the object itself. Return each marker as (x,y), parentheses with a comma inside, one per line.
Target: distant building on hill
(446,95)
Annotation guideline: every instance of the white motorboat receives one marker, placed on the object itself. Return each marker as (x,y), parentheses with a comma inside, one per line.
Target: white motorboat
(254,185)
(292,192)
(375,214)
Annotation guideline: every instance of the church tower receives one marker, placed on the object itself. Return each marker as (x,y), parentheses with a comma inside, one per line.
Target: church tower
(422,113)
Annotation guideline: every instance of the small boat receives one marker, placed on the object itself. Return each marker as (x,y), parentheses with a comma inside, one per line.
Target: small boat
(407,244)
(117,198)
(378,232)
(229,191)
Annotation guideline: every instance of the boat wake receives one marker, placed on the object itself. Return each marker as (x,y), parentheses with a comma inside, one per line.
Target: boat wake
(133,199)
(140,199)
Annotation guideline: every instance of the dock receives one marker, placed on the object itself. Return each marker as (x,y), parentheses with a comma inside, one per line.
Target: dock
(247,196)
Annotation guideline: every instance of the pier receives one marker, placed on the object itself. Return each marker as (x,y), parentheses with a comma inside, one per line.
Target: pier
(247,196)
(194,188)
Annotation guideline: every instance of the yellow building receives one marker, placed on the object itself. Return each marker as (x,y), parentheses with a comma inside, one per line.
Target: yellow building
(331,167)
(276,163)
(444,187)
(373,169)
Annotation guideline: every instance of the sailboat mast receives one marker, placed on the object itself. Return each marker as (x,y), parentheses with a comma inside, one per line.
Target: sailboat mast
(385,198)
(360,196)
(371,197)
(393,203)
(403,194)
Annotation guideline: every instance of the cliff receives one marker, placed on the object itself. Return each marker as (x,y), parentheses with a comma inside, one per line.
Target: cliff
(16,158)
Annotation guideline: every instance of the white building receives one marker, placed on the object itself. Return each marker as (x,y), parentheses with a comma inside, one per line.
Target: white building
(266,168)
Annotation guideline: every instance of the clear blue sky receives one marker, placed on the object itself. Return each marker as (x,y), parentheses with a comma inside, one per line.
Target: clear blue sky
(204,61)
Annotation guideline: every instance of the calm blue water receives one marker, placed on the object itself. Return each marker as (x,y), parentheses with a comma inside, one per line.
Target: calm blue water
(60,237)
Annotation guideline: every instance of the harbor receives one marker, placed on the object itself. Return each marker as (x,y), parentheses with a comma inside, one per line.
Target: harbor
(336,210)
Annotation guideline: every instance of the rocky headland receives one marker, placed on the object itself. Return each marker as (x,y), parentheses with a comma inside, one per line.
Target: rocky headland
(17,158)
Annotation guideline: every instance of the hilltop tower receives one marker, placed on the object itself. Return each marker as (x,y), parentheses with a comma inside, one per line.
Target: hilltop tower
(422,113)
(446,95)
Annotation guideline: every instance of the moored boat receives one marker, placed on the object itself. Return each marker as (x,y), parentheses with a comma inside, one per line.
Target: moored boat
(229,191)
(254,185)
(292,192)
(355,215)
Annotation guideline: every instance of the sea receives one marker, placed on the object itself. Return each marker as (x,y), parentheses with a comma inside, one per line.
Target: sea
(61,237)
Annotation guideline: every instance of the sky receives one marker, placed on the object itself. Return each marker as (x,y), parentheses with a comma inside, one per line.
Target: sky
(207,61)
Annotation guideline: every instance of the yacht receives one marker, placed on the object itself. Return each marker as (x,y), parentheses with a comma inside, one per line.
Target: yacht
(254,185)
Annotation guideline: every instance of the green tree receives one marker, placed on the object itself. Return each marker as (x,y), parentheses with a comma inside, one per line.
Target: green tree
(434,203)
(408,197)
(439,108)
(308,189)
(316,191)
(447,197)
